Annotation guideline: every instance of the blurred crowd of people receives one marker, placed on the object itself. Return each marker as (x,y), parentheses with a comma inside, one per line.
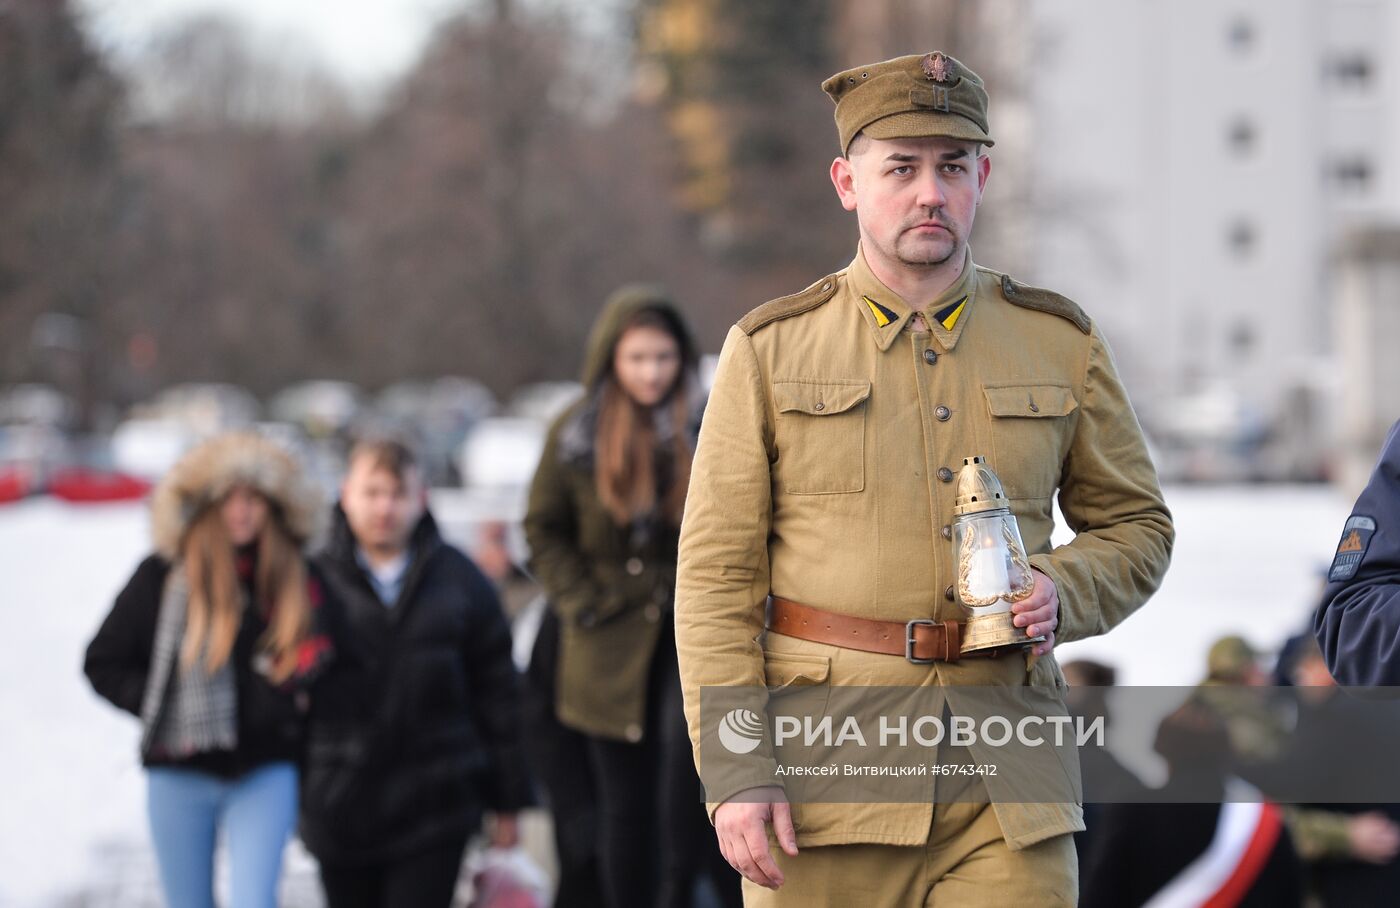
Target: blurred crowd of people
(1225,820)
(343,672)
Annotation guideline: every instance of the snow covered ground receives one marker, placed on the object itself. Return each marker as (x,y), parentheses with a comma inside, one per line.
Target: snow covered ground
(1248,560)
(72,828)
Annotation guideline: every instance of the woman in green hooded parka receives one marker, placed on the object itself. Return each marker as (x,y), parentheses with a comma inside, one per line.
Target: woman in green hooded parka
(603,526)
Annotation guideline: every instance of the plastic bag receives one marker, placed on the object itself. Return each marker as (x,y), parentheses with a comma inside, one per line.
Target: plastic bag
(508,878)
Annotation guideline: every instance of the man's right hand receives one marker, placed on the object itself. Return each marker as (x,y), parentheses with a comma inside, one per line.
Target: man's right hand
(1374,837)
(741,825)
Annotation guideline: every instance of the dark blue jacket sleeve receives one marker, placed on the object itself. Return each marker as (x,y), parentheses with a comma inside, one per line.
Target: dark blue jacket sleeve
(1358,622)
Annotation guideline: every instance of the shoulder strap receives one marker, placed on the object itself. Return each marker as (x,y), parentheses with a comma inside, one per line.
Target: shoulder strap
(787,306)
(1028,297)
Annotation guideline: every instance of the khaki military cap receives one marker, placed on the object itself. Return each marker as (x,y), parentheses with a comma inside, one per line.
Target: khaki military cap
(1229,657)
(913,96)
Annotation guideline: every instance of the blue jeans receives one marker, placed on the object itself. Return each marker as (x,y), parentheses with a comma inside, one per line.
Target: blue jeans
(256,812)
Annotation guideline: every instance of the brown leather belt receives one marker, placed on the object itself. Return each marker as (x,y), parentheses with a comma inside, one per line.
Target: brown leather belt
(922,640)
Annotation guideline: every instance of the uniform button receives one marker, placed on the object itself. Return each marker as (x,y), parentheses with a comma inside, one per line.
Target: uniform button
(930,357)
(948,593)
(943,413)
(945,474)
(653,613)
(634,733)
(947,532)
(634,566)
(821,406)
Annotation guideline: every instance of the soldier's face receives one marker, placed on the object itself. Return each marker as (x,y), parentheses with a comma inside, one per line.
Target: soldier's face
(915,198)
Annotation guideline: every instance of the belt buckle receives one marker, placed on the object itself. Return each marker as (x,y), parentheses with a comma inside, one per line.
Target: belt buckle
(909,640)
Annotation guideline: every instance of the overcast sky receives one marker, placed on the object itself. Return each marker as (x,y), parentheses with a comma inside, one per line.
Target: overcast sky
(365,42)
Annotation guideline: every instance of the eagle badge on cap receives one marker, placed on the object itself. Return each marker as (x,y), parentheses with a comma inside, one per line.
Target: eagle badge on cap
(937,67)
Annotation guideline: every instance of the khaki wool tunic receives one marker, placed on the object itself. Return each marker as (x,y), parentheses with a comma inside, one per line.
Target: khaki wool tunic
(824,474)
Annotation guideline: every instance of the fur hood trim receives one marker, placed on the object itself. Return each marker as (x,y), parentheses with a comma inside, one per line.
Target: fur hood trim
(211,470)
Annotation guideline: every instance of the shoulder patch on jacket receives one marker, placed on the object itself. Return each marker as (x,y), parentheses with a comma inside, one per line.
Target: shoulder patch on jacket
(787,306)
(1356,539)
(1044,301)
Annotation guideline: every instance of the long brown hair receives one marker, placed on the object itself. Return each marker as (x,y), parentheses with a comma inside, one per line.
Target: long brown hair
(215,609)
(625,447)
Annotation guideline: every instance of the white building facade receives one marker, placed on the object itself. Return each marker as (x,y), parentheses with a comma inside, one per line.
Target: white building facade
(1195,165)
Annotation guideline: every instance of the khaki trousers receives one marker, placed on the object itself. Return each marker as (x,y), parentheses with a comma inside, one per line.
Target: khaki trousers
(965,863)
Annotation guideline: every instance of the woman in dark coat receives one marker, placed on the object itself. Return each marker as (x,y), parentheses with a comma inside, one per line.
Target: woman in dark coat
(212,644)
(603,526)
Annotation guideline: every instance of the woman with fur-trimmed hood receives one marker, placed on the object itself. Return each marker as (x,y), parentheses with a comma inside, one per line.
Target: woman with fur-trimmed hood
(212,645)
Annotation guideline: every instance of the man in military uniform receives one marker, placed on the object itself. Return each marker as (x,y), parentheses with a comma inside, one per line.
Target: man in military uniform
(1239,693)
(824,479)
(1358,623)
(1237,690)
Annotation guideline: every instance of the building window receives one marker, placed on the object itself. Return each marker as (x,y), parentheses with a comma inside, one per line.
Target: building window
(1242,136)
(1241,35)
(1352,70)
(1242,339)
(1242,239)
(1353,175)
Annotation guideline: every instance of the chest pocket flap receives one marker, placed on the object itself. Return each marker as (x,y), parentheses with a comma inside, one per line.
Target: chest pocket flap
(1030,436)
(815,398)
(1030,400)
(821,435)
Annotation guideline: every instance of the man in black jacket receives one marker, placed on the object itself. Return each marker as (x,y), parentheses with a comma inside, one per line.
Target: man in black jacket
(414,730)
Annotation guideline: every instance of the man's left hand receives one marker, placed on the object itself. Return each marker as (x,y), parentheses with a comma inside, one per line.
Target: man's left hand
(1039,613)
